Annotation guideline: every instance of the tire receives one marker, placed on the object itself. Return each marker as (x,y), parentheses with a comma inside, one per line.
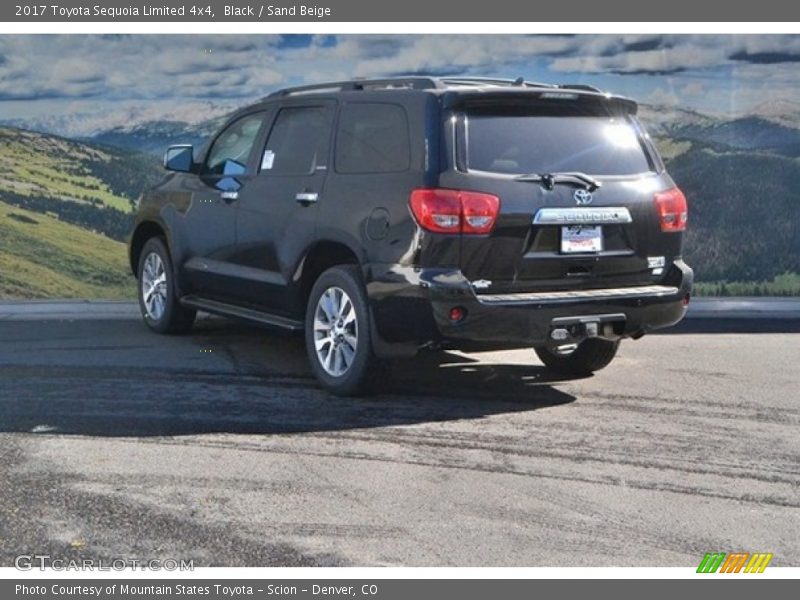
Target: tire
(158,301)
(338,332)
(591,355)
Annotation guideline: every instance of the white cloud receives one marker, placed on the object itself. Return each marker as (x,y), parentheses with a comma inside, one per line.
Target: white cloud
(457,54)
(677,53)
(111,78)
(663,60)
(661,96)
(145,67)
(693,88)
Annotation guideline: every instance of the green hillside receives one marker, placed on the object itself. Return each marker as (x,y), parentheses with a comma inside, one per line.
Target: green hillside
(785,284)
(84,184)
(670,148)
(33,164)
(65,208)
(744,213)
(43,257)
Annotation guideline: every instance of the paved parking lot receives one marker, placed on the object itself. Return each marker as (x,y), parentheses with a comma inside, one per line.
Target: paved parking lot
(219,447)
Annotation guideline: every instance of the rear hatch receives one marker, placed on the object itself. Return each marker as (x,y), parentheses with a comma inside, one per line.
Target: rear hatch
(577,178)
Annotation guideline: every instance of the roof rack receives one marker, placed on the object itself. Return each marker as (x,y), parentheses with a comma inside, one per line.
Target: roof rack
(421,83)
(411,83)
(480,81)
(581,87)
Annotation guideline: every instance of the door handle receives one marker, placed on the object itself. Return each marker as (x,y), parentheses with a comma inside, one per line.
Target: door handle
(229,196)
(306,197)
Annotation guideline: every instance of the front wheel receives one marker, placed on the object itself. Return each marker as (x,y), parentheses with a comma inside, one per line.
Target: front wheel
(158,301)
(339,334)
(591,355)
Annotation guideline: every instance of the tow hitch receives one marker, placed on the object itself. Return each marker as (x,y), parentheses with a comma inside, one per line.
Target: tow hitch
(573,330)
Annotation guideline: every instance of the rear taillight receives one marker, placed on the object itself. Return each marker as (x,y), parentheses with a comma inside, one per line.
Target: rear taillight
(478,211)
(437,210)
(454,211)
(673,211)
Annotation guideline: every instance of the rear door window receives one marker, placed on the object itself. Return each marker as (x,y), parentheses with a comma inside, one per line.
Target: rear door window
(372,138)
(523,144)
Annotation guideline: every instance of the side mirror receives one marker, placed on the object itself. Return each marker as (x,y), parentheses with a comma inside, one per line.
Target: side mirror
(233,167)
(179,158)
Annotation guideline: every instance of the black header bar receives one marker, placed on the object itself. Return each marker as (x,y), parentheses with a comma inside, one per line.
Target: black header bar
(255,11)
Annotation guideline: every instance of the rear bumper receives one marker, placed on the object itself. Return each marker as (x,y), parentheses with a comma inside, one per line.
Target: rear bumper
(413,307)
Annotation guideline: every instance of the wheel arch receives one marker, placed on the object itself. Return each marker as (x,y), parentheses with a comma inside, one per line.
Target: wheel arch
(143,232)
(321,256)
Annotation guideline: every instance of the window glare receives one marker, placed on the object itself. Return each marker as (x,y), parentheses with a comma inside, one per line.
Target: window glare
(514,144)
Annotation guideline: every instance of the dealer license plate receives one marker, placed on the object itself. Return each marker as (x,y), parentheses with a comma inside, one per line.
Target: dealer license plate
(581,238)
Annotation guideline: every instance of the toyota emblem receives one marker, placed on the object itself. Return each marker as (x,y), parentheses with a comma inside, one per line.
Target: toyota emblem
(583,197)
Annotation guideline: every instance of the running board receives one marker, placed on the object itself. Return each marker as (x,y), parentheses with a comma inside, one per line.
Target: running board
(240,312)
(647,291)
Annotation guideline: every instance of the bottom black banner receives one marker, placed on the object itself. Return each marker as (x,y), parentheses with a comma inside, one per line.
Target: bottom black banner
(384,589)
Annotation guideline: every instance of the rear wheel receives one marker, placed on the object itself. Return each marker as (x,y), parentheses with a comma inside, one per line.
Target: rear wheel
(158,302)
(339,335)
(589,356)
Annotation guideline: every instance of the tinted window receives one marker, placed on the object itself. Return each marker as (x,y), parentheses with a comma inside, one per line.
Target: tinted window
(372,138)
(595,145)
(231,149)
(298,142)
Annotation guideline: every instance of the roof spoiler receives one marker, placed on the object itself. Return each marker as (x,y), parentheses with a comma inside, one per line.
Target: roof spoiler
(544,98)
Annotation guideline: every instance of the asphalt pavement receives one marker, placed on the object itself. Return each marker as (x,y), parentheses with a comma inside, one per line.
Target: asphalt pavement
(219,447)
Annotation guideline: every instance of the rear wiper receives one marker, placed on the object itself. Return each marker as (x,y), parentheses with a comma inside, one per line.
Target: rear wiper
(549,180)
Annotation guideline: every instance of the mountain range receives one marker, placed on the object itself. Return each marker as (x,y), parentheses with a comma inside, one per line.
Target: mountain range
(153,137)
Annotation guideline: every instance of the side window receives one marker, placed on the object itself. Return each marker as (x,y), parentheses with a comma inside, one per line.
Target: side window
(372,138)
(232,148)
(298,142)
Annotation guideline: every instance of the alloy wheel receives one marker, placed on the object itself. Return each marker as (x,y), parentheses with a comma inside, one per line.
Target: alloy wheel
(335,331)
(154,286)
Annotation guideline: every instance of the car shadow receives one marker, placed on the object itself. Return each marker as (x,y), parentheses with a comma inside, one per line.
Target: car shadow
(265,388)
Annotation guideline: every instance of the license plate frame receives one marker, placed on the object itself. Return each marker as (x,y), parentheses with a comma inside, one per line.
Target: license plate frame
(581,239)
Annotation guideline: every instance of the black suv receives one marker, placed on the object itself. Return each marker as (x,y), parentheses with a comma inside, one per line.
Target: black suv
(385,216)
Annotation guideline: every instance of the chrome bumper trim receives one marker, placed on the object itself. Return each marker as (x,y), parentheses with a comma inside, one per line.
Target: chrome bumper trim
(577,295)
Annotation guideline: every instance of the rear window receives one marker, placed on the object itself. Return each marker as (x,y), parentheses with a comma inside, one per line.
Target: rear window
(595,145)
(372,138)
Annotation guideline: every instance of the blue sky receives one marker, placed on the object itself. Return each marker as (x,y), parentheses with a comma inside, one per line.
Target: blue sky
(81,83)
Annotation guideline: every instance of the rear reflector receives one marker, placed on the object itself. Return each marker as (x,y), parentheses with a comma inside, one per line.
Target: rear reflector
(457,314)
(673,211)
(454,211)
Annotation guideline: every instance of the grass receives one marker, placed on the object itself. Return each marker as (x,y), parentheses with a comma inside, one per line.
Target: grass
(786,284)
(670,148)
(34,164)
(42,257)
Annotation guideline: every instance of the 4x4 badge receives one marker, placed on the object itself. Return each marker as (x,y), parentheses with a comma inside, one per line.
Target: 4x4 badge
(582,197)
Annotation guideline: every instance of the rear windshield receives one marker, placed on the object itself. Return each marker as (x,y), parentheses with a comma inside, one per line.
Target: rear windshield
(595,145)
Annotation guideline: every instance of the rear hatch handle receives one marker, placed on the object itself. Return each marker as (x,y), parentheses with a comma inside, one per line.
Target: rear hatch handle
(549,180)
